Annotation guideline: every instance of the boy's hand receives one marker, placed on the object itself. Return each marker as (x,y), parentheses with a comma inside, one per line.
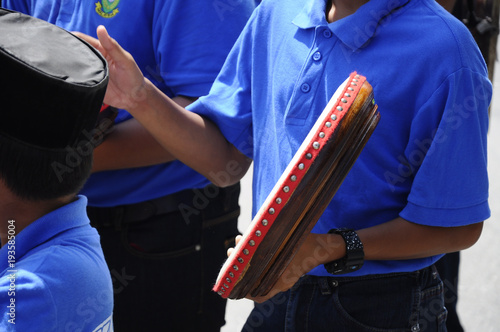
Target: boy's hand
(127,86)
(317,249)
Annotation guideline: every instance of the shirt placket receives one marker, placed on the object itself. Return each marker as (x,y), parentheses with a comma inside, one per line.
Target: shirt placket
(309,81)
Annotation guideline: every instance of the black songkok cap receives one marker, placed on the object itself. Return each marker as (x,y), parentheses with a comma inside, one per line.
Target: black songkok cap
(52,83)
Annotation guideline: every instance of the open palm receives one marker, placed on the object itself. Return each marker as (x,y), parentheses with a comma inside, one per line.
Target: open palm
(126,87)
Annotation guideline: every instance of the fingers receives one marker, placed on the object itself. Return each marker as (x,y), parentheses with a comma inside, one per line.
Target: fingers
(105,39)
(91,40)
(104,43)
(236,239)
(111,46)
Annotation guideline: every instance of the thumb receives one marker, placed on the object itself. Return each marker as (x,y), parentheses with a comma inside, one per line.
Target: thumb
(110,45)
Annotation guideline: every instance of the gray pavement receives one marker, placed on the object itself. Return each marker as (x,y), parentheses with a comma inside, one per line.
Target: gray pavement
(479,284)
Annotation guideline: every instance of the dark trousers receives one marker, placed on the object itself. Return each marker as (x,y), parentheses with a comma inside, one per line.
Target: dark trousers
(398,302)
(448,267)
(164,257)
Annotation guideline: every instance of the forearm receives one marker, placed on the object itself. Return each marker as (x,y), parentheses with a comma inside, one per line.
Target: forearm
(397,239)
(400,239)
(190,138)
(130,145)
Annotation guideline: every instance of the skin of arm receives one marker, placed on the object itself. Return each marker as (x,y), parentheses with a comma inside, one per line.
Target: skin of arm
(130,145)
(200,144)
(188,137)
(396,239)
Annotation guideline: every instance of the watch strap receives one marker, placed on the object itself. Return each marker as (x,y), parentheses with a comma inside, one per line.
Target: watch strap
(354,258)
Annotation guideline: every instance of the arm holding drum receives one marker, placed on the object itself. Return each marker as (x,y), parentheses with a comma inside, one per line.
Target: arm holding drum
(303,192)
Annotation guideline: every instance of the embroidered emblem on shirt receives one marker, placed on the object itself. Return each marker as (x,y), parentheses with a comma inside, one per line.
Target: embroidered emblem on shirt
(107,8)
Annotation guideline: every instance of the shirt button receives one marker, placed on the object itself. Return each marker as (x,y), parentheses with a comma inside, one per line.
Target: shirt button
(327,33)
(305,87)
(317,56)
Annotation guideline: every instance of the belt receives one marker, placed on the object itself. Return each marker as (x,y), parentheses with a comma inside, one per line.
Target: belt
(137,212)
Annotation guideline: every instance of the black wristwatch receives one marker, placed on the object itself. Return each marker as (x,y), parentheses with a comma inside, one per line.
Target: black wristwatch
(354,258)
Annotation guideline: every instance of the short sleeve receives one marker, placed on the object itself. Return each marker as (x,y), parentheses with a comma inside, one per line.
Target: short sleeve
(29,303)
(447,153)
(229,103)
(192,39)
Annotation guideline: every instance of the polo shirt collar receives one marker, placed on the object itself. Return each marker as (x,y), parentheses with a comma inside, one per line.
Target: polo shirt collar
(47,227)
(354,30)
(312,15)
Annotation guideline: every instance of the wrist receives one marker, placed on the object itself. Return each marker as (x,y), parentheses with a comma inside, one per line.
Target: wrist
(141,96)
(328,247)
(354,253)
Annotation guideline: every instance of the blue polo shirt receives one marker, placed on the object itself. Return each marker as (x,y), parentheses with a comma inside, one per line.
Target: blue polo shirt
(426,160)
(180,45)
(59,280)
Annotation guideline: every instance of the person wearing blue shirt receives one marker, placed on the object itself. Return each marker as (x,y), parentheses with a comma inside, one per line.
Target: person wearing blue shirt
(419,188)
(53,275)
(161,223)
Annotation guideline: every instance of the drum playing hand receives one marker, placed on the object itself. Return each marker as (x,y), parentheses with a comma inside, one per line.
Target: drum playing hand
(127,86)
(317,249)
